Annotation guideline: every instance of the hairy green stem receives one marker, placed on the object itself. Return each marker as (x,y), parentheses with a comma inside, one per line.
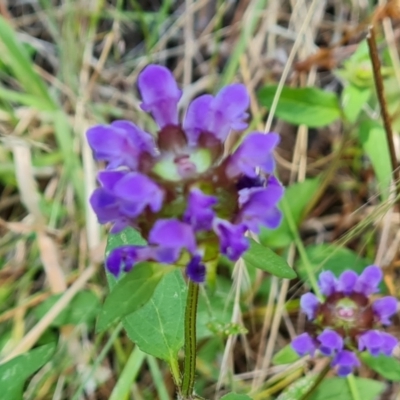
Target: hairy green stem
(189,369)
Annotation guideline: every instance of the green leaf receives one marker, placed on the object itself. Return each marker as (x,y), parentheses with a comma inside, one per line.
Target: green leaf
(15,372)
(84,307)
(338,388)
(303,106)
(373,140)
(131,293)
(286,355)
(353,100)
(297,196)
(261,257)
(387,367)
(157,328)
(329,257)
(298,389)
(235,396)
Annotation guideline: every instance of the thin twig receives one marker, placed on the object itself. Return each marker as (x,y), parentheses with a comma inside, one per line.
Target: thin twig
(380,91)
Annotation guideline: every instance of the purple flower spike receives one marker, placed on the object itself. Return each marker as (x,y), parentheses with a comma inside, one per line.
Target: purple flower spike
(327,283)
(217,115)
(123,258)
(372,341)
(255,151)
(304,344)
(347,281)
(389,342)
(309,304)
(120,144)
(232,241)
(331,342)
(196,270)
(137,191)
(345,361)
(369,280)
(199,213)
(160,94)
(171,236)
(384,308)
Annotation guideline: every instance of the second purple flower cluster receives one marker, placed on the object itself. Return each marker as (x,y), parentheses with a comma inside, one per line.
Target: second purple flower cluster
(189,199)
(347,322)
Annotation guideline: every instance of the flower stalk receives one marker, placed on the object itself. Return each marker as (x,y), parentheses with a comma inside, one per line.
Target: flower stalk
(189,369)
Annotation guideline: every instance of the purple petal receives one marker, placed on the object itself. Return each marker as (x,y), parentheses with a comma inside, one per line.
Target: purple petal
(160,94)
(330,342)
(108,179)
(196,270)
(105,205)
(255,151)
(172,236)
(369,280)
(232,241)
(389,342)
(199,213)
(120,144)
(303,344)
(258,206)
(125,257)
(309,305)
(347,281)
(370,340)
(345,361)
(327,283)
(384,308)
(229,110)
(137,191)
(217,115)
(196,120)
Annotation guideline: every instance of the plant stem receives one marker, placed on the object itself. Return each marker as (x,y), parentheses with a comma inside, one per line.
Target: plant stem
(353,387)
(189,369)
(376,68)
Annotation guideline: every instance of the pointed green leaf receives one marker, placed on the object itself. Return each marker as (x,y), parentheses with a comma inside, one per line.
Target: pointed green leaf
(338,388)
(303,106)
(387,367)
(261,257)
(130,293)
(15,372)
(157,328)
(286,355)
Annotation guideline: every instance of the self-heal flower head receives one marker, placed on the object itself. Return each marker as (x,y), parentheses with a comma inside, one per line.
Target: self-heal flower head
(347,319)
(189,200)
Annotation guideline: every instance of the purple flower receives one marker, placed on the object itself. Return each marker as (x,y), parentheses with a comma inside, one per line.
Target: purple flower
(377,342)
(385,308)
(330,342)
(389,342)
(347,281)
(309,304)
(255,151)
(232,241)
(345,361)
(120,144)
(160,94)
(327,283)
(178,188)
(171,236)
(369,280)
(196,270)
(258,206)
(217,115)
(199,213)
(304,344)
(125,257)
